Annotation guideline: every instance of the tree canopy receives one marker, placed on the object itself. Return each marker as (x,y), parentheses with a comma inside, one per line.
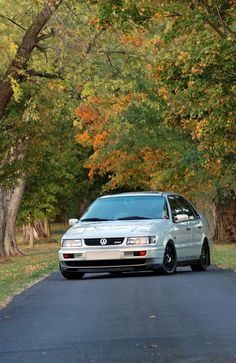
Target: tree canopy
(117,95)
(171,108)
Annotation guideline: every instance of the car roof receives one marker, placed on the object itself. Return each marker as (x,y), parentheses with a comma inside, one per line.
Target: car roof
(132,194)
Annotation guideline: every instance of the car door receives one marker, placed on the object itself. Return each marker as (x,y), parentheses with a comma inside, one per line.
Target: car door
(196,227)
(181,232)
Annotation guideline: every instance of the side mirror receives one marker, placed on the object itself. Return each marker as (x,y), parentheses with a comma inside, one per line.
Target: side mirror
(73,221)
(181,218)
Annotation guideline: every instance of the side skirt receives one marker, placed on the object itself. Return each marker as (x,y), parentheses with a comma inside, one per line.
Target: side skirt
(187,262)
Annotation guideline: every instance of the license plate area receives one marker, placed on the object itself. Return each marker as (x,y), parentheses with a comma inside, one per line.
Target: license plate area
(103,255)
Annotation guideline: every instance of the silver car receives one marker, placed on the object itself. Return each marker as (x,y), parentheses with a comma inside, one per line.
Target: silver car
(135,231)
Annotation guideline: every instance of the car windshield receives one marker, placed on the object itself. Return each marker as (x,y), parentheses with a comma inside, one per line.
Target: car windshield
(126,208)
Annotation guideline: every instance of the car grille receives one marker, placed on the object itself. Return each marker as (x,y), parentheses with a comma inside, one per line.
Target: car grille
(107,263)
(103,241)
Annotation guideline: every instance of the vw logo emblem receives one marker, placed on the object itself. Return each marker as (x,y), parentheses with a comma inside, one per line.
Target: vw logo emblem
(103,241)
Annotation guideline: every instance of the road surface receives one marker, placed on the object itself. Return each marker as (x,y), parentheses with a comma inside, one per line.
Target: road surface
(189,317)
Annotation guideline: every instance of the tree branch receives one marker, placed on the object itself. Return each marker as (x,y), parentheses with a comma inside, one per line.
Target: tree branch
(93,42)
(224,25)
(216,13)
(124,52)
(34,73)
(23,54)
(46,35)
(214,27)
(12,21)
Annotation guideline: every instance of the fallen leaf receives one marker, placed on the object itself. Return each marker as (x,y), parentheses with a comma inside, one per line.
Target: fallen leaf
(152,316)
(153,346)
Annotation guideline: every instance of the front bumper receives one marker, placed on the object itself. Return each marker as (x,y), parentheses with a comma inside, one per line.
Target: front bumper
(110,259)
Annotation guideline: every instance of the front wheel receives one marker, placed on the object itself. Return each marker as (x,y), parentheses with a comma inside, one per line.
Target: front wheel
(72,275)
(204,259)
(169,260)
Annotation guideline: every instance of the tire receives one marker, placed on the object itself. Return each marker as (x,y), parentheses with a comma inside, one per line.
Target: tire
(169,259)
(115,273)
(204,259)
(72,275)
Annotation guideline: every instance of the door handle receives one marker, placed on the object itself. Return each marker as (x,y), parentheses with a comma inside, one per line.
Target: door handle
(199,227)
(188,229)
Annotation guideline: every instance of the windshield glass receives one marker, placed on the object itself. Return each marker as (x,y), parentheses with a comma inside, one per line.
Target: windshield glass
(127,208)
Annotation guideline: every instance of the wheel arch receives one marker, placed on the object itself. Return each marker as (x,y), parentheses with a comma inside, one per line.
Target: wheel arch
(171,242)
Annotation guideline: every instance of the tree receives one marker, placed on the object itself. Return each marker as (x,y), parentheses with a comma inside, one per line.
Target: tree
(169,124)
(17,70)
(54,70)
(57,183)
(11,195)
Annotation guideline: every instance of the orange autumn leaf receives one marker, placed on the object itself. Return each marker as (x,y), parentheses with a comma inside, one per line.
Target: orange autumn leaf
(83,138)
(87,114)
(99,138)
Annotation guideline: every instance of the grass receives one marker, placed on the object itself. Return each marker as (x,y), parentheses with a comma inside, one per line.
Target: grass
(224,255)
(17,273)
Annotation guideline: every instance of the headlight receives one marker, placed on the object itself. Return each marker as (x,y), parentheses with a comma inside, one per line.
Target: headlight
(71,242)
(141,240)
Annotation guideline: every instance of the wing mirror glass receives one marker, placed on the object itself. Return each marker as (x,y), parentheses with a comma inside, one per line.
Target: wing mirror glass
(181,218)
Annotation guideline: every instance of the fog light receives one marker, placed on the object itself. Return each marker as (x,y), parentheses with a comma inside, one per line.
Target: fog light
(140,253)
(68,255)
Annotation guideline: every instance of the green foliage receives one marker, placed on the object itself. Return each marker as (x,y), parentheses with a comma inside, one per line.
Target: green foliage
(171,118)
(154,87)
(126,13)
(52,161)
(37,134)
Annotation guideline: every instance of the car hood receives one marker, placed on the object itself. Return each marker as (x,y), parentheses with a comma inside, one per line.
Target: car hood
(116,229)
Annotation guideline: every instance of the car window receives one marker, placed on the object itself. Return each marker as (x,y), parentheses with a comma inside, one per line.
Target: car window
(187,208)
(174,205)
(127,207)
(165,213)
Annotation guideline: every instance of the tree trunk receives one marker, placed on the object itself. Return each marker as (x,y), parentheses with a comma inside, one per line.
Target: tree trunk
(47,228)
(31,236)
(10,200)
(36,230)
(39,228)
(65,219)
(29,42)
(3,212)
(207,209)
(225,216)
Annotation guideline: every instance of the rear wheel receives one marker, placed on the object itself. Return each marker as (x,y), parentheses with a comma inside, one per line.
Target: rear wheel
(204,259)
(72,275)
(169,260)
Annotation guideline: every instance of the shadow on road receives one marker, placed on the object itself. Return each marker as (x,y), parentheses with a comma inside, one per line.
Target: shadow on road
(138,274)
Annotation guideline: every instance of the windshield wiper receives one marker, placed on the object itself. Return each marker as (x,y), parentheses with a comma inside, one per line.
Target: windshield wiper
(95,219)
(132,217)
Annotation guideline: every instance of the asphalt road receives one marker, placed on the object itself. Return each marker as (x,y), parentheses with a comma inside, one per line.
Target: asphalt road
(137,318)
